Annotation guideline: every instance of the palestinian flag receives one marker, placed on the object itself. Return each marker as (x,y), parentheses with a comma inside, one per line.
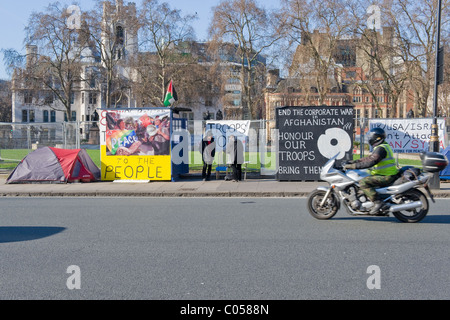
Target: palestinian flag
(171,95)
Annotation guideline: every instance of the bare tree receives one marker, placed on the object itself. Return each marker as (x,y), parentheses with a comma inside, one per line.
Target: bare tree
(194,77)
(5,101)
(382,60)
(444,103)
(317,27)
(251,29)
(163,31)
(57,65)
(415,23)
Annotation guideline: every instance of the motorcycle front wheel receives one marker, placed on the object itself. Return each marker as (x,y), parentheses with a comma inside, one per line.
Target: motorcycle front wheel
(414,215)
(328,210)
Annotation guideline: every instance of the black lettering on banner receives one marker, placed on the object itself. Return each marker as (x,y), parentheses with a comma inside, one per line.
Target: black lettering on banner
(139,170)
(108,170)
(159,172)
(117,172)
(128,172)
(149,175)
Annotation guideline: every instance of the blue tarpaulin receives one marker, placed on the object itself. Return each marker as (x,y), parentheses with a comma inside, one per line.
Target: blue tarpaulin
(445,174)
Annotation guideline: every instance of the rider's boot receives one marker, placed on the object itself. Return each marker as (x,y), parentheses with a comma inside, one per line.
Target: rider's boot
(377,205)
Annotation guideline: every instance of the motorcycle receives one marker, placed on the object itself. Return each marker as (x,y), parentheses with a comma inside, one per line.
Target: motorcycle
(403,198)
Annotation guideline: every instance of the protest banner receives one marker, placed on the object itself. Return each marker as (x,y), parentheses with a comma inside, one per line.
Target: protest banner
(410,135)
(222,129)
(309,136)
(135,144)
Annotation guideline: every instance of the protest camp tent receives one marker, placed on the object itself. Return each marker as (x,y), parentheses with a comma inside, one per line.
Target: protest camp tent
(55,166)
(445,174)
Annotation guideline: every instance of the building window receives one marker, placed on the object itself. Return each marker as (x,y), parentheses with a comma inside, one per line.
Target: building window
(187,115)
(208,116)
(92,82)
(31,115)
(49,98)
(351,74)
(27,97)
(92,98)
(72,97)
(73,116)
(45,116)
(24,115)
(357,116)
(120,35)
(53,116)
(377,113)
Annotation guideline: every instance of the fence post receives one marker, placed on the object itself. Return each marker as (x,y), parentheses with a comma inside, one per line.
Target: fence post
(28,137)
(362,129)
(64,135)
(77,130)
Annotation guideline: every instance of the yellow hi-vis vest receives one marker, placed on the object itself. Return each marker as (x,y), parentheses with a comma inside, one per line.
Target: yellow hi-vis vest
(385,167)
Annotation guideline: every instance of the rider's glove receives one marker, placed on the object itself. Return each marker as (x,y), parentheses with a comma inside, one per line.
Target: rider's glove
(350,166)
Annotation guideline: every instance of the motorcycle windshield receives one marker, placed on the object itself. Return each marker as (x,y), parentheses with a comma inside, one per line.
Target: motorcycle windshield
(328,166)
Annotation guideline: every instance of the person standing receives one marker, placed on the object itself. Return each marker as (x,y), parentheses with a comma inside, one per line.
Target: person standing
(208,153)
(235,157)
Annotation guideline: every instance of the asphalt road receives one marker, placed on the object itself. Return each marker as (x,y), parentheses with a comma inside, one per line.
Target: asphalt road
(219,249)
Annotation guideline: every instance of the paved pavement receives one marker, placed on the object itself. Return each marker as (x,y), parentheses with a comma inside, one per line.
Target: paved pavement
(188,186)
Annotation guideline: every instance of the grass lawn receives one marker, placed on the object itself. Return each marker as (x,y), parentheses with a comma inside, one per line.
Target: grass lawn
(11,157)
(95,156)
(14,156)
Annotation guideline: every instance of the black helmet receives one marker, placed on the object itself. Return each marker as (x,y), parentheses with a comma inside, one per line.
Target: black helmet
(376,136)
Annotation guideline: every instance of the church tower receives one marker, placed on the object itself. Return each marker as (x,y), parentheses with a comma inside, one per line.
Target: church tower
(120,29)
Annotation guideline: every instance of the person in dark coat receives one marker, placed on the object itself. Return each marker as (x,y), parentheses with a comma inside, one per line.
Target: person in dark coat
(235,157)
(208,153)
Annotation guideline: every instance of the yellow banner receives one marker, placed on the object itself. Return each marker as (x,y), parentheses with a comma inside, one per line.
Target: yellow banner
(135,144)
(135,167)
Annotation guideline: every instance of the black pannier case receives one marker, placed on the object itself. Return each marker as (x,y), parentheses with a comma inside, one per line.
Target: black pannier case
(433,161)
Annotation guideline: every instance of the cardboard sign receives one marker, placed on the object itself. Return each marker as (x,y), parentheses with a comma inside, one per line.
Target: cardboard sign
(410,135)
(309,136)
(135,144)
(222,129)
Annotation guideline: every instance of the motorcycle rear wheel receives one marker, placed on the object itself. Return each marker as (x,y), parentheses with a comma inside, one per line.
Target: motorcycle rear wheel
(414,215)
(328,210)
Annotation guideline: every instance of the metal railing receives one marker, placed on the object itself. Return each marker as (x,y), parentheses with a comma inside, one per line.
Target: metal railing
(66,135)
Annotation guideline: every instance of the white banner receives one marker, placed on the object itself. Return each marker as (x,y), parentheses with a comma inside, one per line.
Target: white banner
(229,127)
(223,129)
(410,135)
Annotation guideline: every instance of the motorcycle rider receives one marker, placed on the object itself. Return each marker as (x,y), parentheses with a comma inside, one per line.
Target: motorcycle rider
(384,170)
